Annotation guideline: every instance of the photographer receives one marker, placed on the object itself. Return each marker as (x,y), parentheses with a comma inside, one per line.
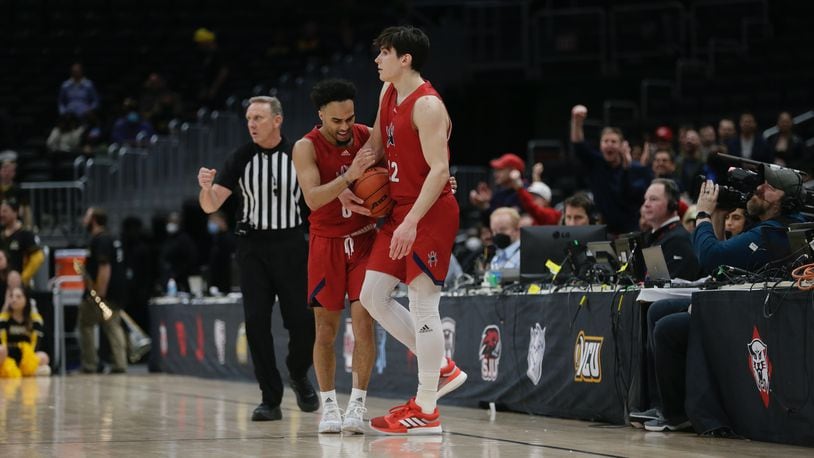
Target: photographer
(773,204)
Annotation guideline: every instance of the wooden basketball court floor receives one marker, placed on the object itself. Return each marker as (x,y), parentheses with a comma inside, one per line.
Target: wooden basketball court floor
(165,415)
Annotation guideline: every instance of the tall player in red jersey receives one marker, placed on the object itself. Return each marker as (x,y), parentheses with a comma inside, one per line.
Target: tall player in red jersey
(327,161)
(415,243)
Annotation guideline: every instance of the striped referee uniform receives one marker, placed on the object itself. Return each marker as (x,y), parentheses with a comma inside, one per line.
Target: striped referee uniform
(272,255)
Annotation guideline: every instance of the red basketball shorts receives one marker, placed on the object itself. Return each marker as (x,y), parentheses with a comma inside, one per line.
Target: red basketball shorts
(336,267)
(432,249)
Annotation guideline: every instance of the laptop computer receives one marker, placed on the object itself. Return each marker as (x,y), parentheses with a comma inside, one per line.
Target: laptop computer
(656,265)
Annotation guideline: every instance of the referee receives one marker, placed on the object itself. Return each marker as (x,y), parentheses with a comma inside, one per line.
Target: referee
(271,252)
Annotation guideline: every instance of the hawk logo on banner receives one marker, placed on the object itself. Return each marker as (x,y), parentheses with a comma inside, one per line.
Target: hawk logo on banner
(448,328)
(162,339)
(760,365)
(381,354)
(220,340)
(588,358)
(535,356)
(490,347)
(242,345)
(347,345)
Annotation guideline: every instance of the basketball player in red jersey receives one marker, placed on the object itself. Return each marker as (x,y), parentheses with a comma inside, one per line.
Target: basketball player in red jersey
(327,162)
(415,243)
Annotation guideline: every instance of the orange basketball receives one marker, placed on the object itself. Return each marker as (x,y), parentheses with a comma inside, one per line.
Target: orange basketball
(374,188)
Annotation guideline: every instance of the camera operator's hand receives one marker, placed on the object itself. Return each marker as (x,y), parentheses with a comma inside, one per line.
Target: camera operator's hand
(707,197)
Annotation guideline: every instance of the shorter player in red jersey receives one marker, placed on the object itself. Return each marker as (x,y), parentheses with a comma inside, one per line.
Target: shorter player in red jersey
(328,160)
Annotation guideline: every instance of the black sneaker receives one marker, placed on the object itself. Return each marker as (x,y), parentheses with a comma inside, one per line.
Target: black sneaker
(307,398)
(265,412)
(663,424)
(638,418)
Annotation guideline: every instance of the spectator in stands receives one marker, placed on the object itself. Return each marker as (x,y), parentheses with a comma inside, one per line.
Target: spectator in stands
(748,144)
(309,43)
(774,203)
(131,129)
(92,142)
(505,225)
(504,195)
(179,256)
(689,163)
(77,95)
(158,104)
(664,165)
(660,213)
(617,182)
(579,210)
(535,199)
(786,147)
(21,335)
(23,247)
(211,76)
(66,135)
(709,142)
(220,253)
(726,130)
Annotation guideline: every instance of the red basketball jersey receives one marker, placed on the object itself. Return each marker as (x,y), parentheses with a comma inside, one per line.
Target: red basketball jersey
(402,146)
(331,220)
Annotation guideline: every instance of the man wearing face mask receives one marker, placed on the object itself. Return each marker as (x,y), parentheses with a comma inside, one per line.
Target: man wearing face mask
(220,253)
(131,129)
(505,223)
(178,254)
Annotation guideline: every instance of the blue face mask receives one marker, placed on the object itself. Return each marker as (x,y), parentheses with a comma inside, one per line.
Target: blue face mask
(212,227)
(132,117)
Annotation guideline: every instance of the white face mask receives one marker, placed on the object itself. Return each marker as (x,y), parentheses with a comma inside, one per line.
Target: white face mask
(172,228)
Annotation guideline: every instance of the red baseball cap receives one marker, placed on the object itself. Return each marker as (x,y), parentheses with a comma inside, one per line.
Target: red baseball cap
(508,161)
(664,134)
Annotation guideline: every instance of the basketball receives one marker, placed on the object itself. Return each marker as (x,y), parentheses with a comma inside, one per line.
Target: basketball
(374,188)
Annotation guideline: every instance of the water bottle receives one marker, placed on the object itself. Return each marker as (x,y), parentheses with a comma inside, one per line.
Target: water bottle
(172,288)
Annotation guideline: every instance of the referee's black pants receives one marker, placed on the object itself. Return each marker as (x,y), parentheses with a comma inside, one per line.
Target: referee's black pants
(274,263)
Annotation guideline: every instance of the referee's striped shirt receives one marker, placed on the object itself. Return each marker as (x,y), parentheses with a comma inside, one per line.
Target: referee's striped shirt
(267,183)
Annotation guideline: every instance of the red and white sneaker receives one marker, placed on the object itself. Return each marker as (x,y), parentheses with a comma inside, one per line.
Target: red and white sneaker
(451,378)
(407,419)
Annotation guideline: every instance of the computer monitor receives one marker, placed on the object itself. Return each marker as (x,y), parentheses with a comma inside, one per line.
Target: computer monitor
(539,244)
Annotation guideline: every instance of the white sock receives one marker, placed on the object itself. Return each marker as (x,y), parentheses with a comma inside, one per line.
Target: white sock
(357,396)
(425,297)
(394,318)
(328,398)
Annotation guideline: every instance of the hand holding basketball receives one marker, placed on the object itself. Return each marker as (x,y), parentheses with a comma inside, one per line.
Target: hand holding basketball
(373,187)
(363,160)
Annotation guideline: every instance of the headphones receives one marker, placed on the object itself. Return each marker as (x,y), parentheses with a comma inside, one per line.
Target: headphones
(792,201)
(672,192)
